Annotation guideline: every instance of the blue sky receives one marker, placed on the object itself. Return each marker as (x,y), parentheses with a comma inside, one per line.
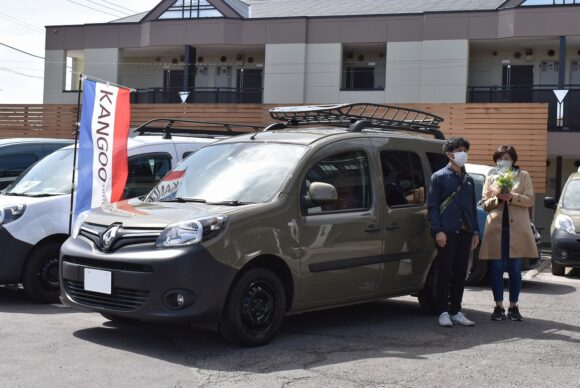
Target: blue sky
(22,26)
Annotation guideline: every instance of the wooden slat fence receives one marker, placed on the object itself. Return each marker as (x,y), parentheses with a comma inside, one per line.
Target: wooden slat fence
(486,125)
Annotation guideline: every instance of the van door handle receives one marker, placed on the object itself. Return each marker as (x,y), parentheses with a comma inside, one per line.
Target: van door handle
(393,227)
(372,229)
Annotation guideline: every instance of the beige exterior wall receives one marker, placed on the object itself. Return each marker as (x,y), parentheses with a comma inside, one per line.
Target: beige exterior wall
(285,73)
(102,63)
(428,71)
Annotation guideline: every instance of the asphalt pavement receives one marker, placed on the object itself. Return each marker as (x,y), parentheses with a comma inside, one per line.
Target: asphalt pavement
(389,343)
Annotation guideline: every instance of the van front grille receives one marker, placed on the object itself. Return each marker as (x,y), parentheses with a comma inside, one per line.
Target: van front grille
(121,299)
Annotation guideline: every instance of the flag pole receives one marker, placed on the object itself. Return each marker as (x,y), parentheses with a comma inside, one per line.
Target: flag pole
(77,125)
(108,83)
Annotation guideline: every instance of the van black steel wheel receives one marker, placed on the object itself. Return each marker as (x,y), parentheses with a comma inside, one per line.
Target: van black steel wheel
(428,296)
(255,308)
(40,277)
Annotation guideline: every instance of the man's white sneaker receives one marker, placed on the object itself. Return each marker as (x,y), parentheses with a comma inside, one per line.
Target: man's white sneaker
(460,319)
(445,320)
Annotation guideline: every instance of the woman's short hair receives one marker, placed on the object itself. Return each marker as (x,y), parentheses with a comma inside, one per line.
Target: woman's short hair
(505,149)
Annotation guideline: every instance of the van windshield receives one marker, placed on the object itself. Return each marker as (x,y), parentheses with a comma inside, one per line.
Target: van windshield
(232,173)
(571,200)
(50,176)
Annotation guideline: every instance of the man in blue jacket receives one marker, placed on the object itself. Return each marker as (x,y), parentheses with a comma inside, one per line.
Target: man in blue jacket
(453,220)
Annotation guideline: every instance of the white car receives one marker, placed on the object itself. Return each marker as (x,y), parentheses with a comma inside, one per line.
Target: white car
(35,209)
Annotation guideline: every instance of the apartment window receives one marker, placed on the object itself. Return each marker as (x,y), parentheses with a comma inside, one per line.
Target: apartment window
(363,67)
(74,67)
(191,9)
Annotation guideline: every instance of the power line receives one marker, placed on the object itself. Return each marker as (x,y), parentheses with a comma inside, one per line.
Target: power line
(22,51)
(94,9)
(111,8)
(120,6)
(19,73)
(20,23)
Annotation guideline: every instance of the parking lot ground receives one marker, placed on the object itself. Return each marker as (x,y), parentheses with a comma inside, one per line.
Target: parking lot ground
(389,343)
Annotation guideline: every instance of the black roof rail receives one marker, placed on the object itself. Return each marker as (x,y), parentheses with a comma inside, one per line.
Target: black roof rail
(359,116)
(165,126)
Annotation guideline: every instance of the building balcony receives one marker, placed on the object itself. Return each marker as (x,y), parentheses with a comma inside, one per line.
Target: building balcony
(535,93)
(206,95)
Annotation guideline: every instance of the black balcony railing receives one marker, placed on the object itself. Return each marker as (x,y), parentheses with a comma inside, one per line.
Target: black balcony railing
(197,96)
(536,93)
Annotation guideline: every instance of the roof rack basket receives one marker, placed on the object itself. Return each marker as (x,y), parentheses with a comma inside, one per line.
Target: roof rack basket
(204,128)
(359,116)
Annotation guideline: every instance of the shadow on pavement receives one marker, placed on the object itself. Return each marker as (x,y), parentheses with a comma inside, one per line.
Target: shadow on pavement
(529,287)
(15,301)
(393,328)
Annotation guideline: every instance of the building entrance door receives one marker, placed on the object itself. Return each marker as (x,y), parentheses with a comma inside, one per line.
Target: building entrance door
(518,82)
(249,85)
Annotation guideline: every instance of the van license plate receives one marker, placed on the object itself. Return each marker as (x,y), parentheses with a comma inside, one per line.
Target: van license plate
(98,281)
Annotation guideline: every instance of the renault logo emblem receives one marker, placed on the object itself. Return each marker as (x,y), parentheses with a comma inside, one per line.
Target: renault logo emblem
(108,237)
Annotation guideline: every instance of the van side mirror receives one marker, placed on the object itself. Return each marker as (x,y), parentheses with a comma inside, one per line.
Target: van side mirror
(550,203)
(321,193)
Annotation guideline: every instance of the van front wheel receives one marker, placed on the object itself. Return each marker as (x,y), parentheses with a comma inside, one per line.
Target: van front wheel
(428,296)
(255,308)
(40,277)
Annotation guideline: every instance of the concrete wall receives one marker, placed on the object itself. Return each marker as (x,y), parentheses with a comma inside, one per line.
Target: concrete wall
(54,79)
(323,73)
(285,73)
(427,71)
(103,63)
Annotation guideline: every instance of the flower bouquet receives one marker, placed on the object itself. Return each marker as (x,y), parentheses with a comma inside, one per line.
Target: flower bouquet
(506,181)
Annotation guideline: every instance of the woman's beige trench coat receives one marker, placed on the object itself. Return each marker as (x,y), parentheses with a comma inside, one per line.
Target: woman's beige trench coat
(522,243)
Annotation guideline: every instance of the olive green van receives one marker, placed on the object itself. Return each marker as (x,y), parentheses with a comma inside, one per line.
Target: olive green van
(565,229)
(325,208)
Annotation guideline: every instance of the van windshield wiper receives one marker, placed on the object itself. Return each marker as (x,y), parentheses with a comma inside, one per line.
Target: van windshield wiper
(230,203)
(184,200)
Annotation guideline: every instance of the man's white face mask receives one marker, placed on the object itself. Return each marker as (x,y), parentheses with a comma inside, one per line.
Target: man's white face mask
(460,158)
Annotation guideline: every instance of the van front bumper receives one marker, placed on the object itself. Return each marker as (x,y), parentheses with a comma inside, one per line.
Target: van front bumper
(13,254)
(147,283)
(566,248)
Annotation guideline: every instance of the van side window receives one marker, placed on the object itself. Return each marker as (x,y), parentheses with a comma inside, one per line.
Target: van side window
(144,173)
(403,178)
(437,161)
(349,173)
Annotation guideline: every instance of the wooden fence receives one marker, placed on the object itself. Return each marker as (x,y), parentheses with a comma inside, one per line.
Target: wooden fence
(486,125)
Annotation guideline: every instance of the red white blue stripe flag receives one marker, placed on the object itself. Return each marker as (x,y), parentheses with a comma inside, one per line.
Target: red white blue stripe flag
(102,157)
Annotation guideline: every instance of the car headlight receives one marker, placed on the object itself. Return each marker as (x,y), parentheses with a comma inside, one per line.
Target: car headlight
(11,213)
(191,232)
(565,223)
(79,223)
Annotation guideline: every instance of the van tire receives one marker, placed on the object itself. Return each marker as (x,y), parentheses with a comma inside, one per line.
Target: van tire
(255,308)
(477,270)
(558,269)
(428,296)
(41,273)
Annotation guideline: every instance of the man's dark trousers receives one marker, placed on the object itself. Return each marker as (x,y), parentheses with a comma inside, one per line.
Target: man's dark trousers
(452,266)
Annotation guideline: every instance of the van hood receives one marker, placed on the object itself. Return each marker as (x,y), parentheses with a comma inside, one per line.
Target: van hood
(14,200)
(135,213)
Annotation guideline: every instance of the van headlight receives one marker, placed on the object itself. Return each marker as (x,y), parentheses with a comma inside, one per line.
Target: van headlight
(11,213)
(79,223)
(565,223)
(191,232)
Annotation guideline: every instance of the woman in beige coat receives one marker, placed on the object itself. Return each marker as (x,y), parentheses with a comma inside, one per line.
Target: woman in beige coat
(508,235)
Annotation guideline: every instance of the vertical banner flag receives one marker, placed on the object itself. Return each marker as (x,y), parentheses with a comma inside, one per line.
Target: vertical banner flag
(102,158)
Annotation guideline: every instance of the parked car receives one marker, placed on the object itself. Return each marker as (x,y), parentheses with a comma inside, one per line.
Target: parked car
(299,217)
(35,209)
(565,228)
(16,155)
(477,268)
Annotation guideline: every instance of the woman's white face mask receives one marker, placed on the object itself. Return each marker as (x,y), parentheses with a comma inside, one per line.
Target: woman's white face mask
(504,164)
(460,158)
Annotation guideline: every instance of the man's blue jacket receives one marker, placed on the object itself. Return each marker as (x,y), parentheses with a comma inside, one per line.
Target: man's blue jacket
(461,211)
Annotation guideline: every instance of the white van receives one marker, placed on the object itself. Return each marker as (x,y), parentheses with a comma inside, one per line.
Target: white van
(35,209)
